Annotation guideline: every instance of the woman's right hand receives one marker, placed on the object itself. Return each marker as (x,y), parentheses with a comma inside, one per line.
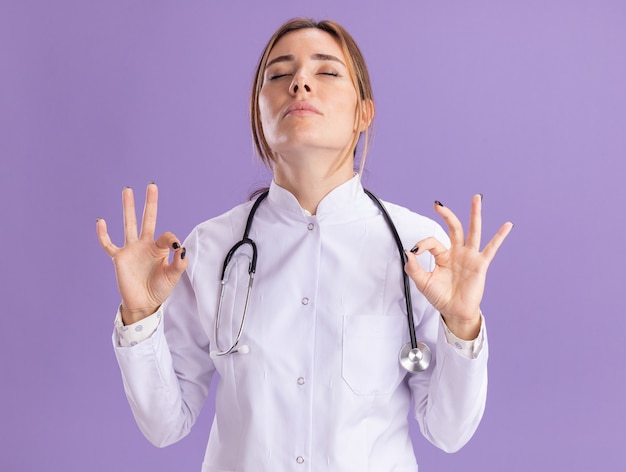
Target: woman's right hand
(145,277)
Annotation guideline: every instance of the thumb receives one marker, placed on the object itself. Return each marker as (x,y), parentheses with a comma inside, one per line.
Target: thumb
(173,270)
(416,271)
(179,263)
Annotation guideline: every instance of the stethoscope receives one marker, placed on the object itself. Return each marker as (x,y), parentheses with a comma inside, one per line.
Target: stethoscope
(414,356)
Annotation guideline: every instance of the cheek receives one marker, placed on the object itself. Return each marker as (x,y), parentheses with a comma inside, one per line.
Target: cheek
(266,112)
(348,108)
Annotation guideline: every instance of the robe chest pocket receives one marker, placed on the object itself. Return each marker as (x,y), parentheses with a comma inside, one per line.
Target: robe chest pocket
(371,344)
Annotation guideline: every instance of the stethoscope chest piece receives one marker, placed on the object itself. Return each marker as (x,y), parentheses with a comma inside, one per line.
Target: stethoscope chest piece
(415,360)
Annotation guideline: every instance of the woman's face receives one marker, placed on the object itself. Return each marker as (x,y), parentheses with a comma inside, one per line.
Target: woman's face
(307,101)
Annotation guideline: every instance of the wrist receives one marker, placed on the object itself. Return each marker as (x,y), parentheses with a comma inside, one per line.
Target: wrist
(465,329)
(130,316)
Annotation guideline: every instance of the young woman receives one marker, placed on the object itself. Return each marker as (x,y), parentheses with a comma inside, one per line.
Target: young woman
(307,355)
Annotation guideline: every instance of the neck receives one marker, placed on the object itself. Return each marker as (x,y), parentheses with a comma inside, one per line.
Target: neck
(310,178)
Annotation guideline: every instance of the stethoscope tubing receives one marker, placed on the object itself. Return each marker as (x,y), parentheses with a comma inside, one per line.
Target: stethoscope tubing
(403,261)
(224,277)
(414,356)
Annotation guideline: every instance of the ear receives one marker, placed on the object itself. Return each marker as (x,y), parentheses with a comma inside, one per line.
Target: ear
(367,114)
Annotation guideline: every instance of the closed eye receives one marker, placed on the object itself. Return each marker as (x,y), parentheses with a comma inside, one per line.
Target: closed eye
(277,76)
(333,74)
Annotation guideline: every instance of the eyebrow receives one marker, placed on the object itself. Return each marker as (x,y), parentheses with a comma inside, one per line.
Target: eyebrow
(315,57)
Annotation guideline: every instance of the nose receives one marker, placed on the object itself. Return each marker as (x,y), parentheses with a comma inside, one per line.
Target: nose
(299,83)
(296,87)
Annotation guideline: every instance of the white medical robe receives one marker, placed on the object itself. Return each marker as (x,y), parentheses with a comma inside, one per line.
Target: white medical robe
(321,388)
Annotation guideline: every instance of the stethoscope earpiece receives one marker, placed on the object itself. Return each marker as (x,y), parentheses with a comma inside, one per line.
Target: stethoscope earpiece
(415,360)
(243,349)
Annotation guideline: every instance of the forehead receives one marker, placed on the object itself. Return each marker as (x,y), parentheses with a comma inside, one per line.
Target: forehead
(306,42)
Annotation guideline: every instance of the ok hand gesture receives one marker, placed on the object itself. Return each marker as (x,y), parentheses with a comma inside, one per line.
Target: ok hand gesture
(455,287)
(145,278)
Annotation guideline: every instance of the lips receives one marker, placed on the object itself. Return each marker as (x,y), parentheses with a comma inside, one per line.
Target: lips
(301,108)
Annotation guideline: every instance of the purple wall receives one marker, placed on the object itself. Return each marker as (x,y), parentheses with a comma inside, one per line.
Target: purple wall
(523,101)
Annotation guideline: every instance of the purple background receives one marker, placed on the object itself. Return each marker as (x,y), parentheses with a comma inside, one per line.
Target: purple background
(523,101)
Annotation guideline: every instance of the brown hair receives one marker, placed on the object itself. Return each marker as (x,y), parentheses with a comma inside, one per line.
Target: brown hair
(356,67)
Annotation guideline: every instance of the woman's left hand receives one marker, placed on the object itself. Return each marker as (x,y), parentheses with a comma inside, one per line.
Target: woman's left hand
(455,287)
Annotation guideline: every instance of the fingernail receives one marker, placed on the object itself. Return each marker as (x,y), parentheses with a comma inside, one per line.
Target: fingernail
(151,182)
(481,196)
(98,219)
(176,246)
(415,249)
(127,186)
(437,202)
(183,254)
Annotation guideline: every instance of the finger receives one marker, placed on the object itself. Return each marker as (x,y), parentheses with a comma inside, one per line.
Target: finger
(492,247)
(168,241)
(148,224)
(455,228)
(475,225)
(130,217)
(104,239)
(432,245)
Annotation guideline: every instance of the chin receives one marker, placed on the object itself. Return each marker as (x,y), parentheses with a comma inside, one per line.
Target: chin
(303,139)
